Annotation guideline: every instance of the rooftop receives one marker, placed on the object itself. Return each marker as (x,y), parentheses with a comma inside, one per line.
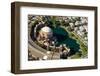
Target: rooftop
(46,29)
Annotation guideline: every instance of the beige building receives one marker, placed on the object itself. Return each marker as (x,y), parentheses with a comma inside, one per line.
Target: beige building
(46,32)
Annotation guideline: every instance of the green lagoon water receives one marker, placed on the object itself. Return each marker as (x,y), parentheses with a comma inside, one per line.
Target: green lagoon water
(64,38)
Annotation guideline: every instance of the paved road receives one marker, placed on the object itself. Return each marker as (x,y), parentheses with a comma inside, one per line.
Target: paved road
(37,53)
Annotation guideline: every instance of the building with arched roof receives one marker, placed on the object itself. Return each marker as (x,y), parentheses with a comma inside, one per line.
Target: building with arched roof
(46,32)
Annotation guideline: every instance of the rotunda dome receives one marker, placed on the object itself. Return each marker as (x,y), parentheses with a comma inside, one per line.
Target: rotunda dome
(46,29)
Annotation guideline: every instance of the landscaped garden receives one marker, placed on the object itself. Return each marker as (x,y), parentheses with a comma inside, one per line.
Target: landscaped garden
(68,33)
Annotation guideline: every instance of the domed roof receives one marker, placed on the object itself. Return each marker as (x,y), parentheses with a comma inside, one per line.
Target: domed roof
(46,29)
